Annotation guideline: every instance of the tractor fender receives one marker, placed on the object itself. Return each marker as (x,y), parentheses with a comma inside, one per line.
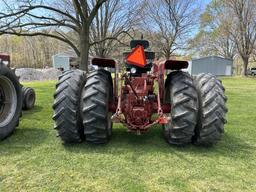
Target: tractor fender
(176,65)
(103,62)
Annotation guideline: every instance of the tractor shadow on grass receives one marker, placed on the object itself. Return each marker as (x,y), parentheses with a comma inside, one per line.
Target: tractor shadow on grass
(22,140)
(153,142)
(36,109)
(27,135)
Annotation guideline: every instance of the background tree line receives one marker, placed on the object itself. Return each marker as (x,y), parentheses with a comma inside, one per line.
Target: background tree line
(31,52)
(32,31)
(228,28)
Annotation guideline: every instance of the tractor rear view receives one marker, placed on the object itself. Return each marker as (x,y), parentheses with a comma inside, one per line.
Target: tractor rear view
(190,109)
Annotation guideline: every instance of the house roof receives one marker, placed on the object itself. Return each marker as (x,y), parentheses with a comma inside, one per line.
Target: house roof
(212,57)
(68,53)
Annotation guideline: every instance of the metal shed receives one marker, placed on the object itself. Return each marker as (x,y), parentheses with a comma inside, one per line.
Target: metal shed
(65,61)
(213,64)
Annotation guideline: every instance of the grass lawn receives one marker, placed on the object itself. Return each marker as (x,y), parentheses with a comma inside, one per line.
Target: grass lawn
(33,159)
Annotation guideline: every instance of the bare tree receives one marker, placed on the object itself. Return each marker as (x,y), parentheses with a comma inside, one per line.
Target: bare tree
(223,44)
(170,22)
(114,21)
(211,43)
(55,19)
(215,22)
(254,54)
(242,19)
(33,52)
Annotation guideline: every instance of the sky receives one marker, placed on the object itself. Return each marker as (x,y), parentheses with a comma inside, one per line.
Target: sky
(205,2)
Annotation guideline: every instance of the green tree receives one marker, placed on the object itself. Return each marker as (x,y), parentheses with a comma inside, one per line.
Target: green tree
(242,21)
(213,37)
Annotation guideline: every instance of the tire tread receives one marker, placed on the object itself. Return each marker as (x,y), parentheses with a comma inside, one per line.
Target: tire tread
(212,113)
(95,98)
(66,106)
(184,106)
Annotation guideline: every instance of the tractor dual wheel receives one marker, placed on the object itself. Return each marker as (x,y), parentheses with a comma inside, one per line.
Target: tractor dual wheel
(212,110)
(96,95)
(10,101)
(29,98)
(66,106)
(181,93)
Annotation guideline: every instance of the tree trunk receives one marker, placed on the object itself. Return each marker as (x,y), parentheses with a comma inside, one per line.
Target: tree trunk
(84,48)
(245,65)
(167,55)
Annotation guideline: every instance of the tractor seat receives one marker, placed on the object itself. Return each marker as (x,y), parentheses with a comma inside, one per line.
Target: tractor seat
(143,43)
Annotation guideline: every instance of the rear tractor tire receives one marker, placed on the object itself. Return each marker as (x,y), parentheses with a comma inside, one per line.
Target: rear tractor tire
(181,93)
(10,101)
(29,98)
(212,110)
(96,95)
(66,106)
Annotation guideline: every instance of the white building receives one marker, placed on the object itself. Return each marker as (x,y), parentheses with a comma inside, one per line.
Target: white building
(65,61)
(213,64)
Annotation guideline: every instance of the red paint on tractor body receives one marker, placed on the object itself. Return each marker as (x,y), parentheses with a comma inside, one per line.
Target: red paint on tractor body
(137,100)
(4,57)
(138,110)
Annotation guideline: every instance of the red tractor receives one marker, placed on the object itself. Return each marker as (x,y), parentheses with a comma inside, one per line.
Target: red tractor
(191,110)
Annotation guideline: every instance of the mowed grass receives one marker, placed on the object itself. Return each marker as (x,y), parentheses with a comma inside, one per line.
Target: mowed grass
(33,159)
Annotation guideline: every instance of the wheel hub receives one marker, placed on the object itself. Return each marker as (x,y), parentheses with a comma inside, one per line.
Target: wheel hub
(8,101)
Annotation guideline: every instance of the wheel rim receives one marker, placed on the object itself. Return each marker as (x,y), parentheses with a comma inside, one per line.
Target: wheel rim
(8,101)
(31,99)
